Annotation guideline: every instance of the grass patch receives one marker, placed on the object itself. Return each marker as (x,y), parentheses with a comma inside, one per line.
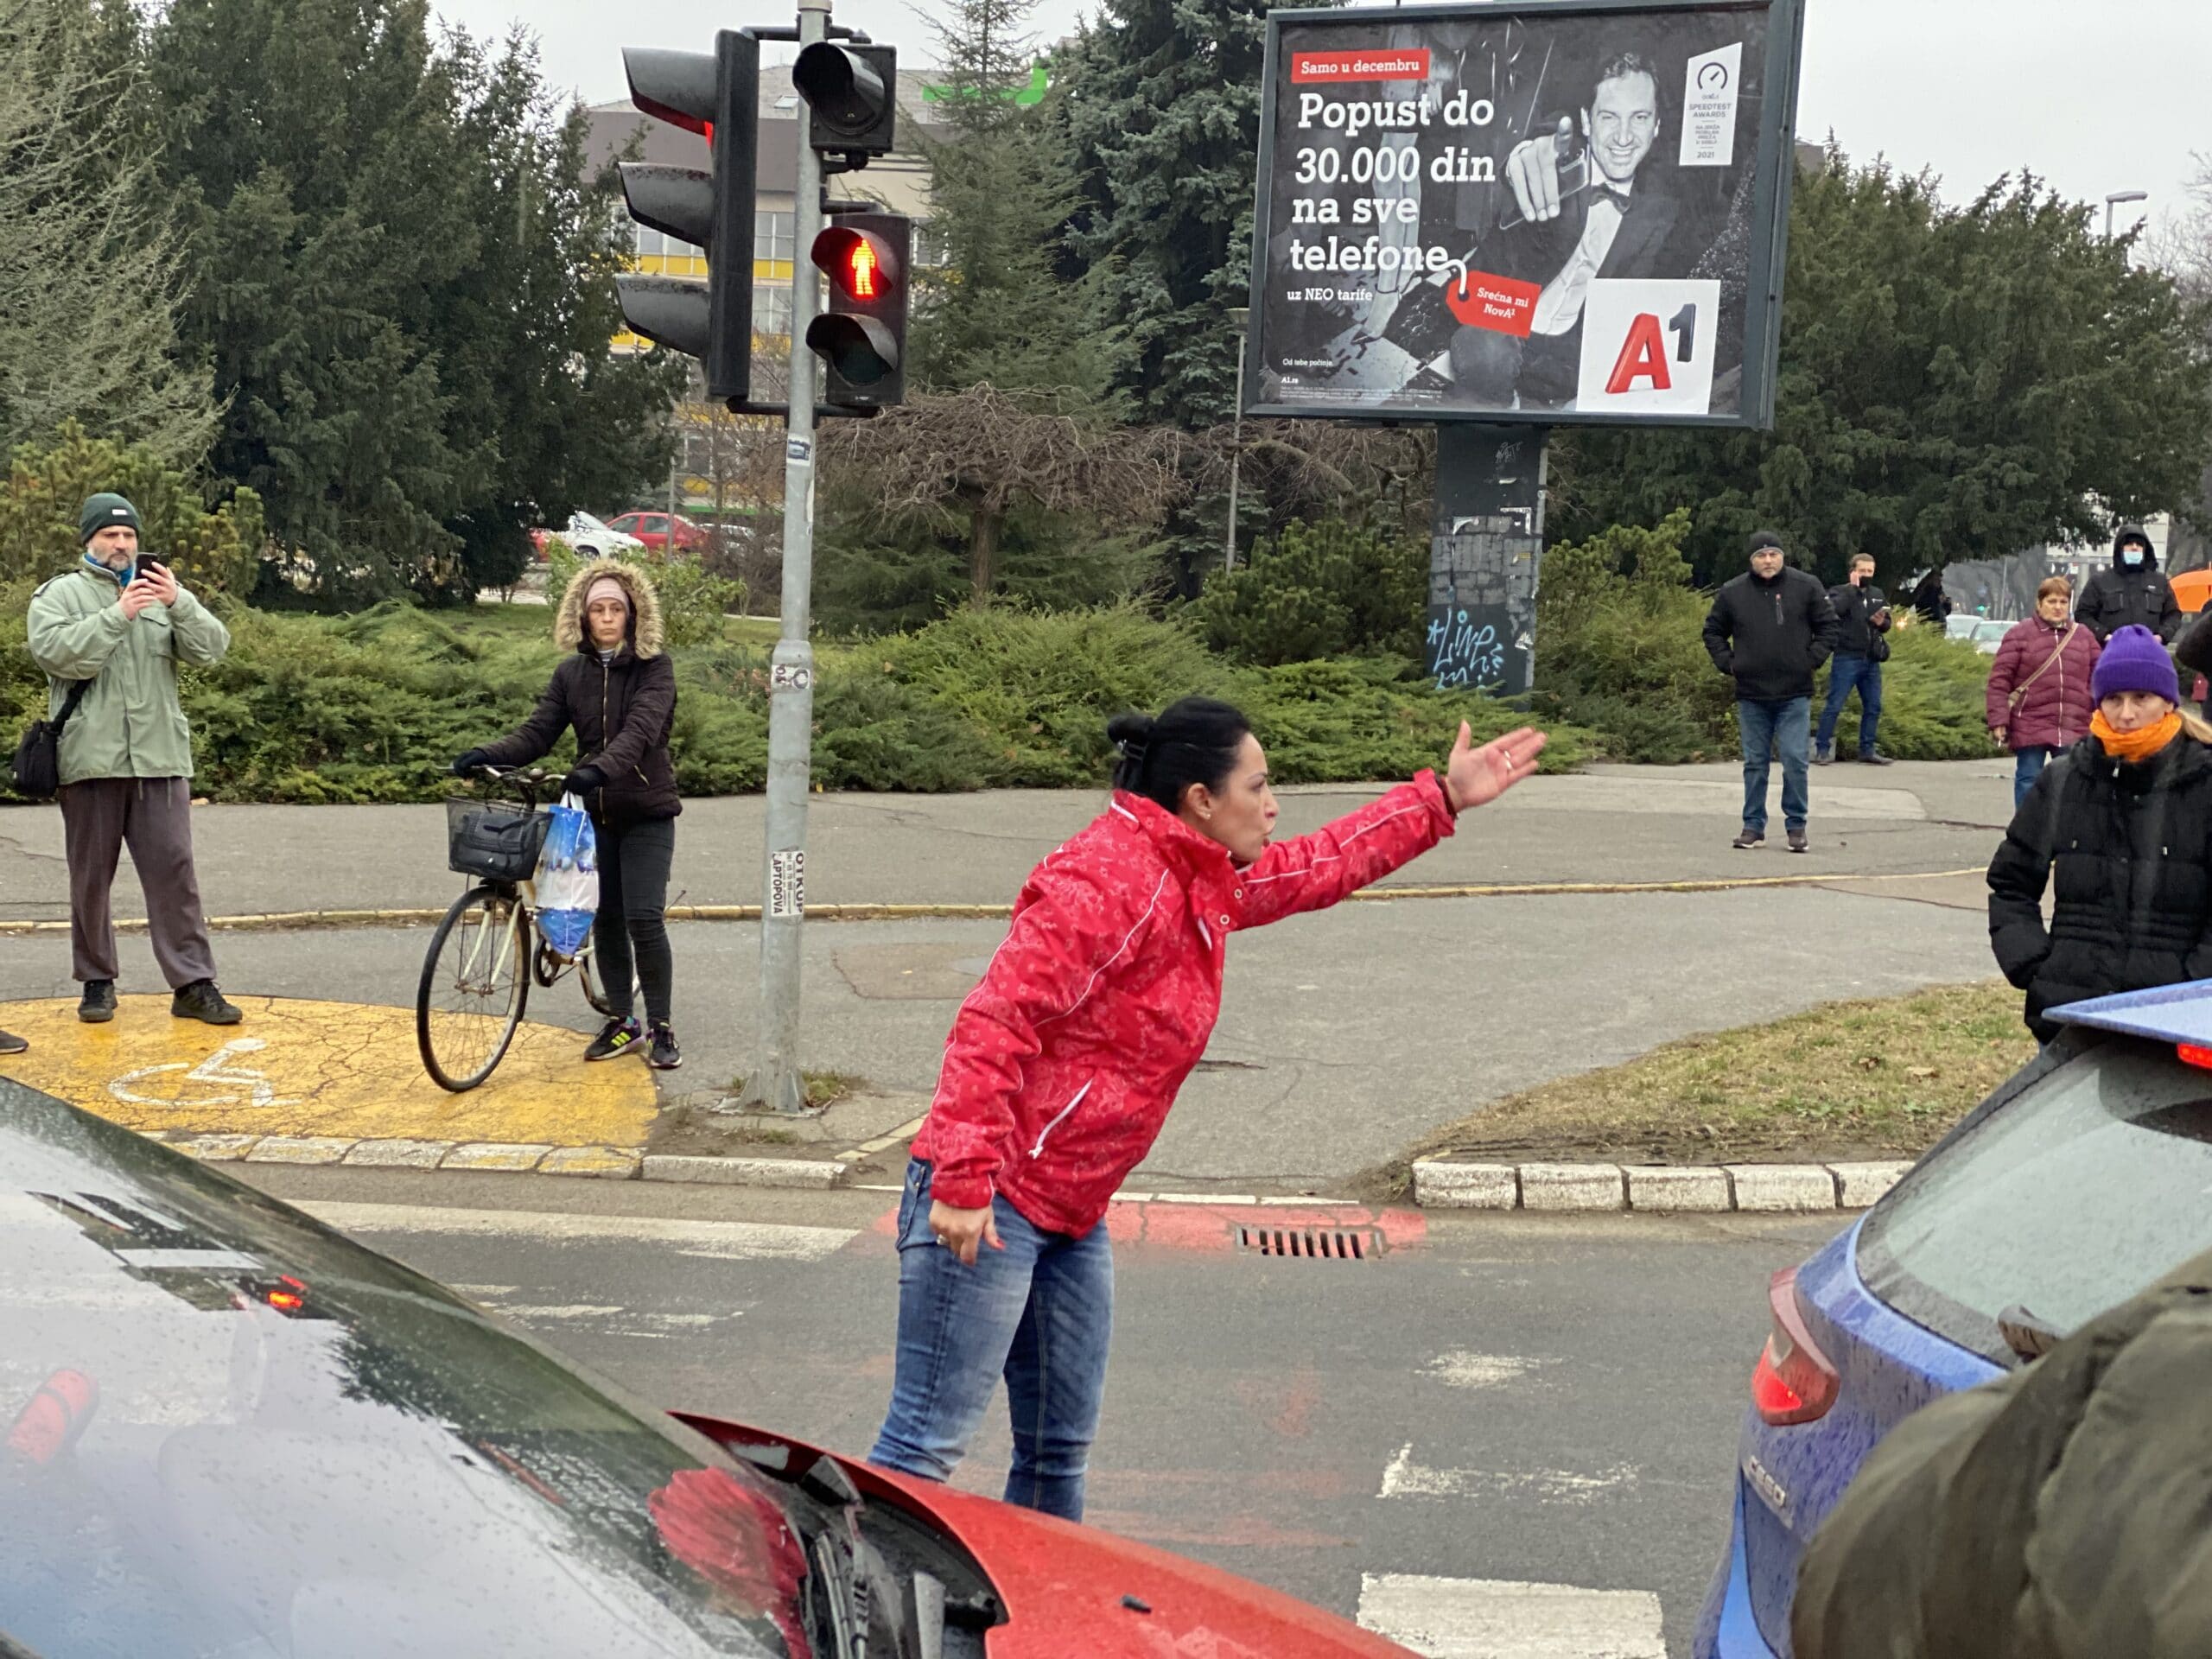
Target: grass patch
(823,1089)
(1873,1079)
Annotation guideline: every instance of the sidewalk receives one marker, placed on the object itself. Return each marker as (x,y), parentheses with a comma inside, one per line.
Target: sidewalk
(1344,1037)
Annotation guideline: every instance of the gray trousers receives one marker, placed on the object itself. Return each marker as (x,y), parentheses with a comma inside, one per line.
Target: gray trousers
(154,816)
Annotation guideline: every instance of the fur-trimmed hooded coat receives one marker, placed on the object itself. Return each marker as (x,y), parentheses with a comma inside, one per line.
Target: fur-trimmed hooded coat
(621,710)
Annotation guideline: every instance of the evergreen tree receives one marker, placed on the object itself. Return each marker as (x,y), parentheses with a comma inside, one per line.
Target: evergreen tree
(1004,307)
(89,262)
(1164,112)
(404,278)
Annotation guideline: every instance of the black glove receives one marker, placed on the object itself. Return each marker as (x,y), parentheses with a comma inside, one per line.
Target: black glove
(468,762)
(583,780)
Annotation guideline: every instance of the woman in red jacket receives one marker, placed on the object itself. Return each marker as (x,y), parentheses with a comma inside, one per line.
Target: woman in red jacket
(1062,1065)
(2039,702)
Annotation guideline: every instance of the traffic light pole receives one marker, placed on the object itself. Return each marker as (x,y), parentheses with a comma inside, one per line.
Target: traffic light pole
(775,1083)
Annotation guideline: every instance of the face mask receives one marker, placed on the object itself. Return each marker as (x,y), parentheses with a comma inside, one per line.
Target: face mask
(2131,558)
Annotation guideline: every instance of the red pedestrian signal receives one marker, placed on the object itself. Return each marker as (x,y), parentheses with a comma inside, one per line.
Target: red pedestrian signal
(861,335)
(860,270)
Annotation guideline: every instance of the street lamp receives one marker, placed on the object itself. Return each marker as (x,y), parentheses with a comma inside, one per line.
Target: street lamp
(1240,316)
(2120,196)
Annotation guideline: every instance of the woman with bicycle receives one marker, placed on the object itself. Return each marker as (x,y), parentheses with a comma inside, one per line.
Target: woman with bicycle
(616,691)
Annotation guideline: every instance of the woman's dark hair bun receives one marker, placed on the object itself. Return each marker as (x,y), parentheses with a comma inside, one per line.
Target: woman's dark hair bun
(1194,741)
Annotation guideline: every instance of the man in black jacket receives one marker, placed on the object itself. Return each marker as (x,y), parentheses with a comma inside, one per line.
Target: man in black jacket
(1768,630)
(1863,617)
(2133,591)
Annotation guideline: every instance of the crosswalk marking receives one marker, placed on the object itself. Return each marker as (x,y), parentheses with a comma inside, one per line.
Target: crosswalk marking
(1459,1368)
(1403,1477)
(1504,1619)
(733,1241)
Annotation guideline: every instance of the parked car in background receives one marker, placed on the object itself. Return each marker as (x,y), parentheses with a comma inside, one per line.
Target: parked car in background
(656,529)
(590,538)
(1989,634)
(2077,1184)
(1961,625)
(227,1429)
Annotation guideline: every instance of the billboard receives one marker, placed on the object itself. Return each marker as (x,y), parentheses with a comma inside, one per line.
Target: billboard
(1546,210)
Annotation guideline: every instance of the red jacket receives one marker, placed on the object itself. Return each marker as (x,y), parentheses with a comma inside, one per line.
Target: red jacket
(1063,1063)
(2055,711)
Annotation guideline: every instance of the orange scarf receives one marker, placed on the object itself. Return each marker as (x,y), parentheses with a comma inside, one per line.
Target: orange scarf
(2132,747)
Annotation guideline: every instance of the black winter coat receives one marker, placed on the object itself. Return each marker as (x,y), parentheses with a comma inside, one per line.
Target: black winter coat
(2119,598)
(2130,849)
(621,712)
(1770,636)
(1854,610)
(2056,1513)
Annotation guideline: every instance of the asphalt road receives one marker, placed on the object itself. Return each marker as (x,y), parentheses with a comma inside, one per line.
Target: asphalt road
(1511,1401)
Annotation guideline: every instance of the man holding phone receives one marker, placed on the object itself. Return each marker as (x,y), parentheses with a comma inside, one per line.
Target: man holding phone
(121,623)
(1578,215)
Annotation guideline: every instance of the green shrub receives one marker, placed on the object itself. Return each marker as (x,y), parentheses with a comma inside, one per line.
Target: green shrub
(1375,718)
(1331,589)
(211,552)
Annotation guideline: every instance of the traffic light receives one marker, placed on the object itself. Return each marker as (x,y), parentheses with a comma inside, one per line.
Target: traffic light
(851,93)
(862,333)
(717,94)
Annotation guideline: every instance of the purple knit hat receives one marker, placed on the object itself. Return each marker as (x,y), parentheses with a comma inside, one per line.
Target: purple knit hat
(2133,660)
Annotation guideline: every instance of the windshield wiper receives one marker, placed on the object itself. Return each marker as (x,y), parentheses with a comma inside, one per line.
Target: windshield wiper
(2028,1336)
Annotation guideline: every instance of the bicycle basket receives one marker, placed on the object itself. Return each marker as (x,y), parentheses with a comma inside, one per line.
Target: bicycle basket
(500,842)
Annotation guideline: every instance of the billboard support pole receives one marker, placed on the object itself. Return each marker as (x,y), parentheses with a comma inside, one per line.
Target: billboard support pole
(1486,540)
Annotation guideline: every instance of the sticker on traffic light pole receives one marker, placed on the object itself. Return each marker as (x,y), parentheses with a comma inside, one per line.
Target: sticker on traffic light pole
(1648,346)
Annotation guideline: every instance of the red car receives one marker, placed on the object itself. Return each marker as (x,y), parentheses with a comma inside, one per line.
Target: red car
(652,529)
(225,1429)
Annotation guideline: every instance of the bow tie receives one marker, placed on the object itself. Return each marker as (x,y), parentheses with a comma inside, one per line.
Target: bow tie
(1610,192)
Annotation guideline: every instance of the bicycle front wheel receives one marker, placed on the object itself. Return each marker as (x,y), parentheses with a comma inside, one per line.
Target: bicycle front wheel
(476,985)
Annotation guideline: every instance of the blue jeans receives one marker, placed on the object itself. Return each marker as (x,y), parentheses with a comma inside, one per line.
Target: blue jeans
(1845,673)
(2027,766)
(1039,1313)
(1768,725)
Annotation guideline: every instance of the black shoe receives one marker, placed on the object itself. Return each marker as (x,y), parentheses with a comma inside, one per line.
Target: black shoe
(1797,841)
(11,1044)
(97,1008)
(1824,755)
(1748,840)
(201,1001)
(665,1056)
(1874,758)
(616,1037)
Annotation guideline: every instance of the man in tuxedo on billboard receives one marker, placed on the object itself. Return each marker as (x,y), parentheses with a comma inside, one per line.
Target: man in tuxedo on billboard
(1565,238)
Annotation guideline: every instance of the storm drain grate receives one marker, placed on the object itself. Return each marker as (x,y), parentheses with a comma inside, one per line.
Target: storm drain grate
(1318,1245)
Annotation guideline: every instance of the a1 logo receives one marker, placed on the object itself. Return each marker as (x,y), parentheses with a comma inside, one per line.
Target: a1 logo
(1648,346)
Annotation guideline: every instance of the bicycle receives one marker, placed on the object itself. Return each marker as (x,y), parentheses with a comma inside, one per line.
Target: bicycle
(477,974)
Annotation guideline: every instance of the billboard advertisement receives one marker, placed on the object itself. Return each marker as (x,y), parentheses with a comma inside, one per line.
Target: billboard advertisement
(1554,212)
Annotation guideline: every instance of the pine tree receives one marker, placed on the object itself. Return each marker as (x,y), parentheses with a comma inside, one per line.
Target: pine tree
(1163,112)
(1004,308)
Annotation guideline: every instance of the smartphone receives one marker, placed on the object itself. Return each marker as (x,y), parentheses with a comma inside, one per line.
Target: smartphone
(146,562)
(1574,179)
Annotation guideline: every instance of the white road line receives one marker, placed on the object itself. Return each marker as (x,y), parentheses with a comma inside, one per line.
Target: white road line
(1461,1370)
(1405,1478)
(733,1241)
(1504,1619)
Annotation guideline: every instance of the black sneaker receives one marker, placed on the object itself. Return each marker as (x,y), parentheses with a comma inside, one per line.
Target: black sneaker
(98,1006)
(1748,840)
(1874,758)
(201,1001)
(1797,841)
(665,1056)
(11,1044)
(616,1037)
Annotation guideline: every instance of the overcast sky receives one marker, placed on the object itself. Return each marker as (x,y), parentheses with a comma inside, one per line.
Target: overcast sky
(2097,96)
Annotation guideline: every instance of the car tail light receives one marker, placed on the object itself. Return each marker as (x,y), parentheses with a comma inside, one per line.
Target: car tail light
(1793,1383)
(2195,1054)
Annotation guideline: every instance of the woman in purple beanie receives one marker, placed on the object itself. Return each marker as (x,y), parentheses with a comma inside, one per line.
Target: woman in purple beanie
(2123,820)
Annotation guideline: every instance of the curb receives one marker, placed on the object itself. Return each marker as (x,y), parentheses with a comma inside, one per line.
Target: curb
(308,920)
(480,1157)
(1651,1189)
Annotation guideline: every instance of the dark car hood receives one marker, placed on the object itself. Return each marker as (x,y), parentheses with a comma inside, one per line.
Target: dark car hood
(227,1430)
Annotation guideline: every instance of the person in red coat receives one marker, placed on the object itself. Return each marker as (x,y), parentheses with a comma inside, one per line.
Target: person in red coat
(1063,1063)
(2039,702)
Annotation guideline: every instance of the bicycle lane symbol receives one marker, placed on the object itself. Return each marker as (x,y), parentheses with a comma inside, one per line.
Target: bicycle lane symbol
(216,1068)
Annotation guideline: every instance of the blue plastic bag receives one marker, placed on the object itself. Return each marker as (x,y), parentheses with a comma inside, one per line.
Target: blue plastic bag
(567,879)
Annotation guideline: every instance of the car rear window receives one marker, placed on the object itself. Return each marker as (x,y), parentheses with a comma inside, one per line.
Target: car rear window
(2065,1200)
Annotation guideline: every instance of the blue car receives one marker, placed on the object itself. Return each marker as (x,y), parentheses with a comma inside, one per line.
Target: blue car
(2067,1191)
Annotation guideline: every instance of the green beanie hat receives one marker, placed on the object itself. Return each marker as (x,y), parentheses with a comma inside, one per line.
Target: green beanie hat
(100,511)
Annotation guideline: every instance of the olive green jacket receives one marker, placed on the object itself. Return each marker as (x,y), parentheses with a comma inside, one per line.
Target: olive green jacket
(131,723)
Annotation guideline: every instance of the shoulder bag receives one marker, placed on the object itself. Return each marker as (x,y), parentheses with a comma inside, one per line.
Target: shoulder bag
(37,771)
(2020,691)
